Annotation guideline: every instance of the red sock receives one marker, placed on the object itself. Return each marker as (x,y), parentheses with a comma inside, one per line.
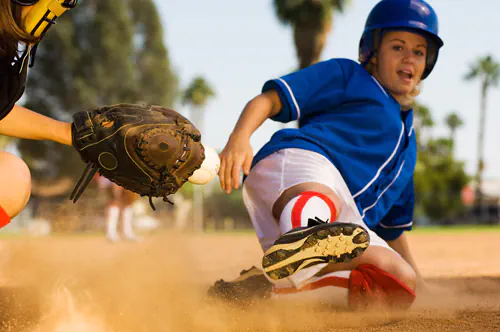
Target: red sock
(369,285)
(4,218)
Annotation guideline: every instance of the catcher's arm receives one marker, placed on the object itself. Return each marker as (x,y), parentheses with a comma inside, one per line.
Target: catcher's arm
(23,123)
(237,153)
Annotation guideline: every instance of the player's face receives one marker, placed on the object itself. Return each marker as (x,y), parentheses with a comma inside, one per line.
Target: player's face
(400,62)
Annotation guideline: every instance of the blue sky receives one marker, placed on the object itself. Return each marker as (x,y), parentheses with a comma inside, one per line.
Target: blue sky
(238,45)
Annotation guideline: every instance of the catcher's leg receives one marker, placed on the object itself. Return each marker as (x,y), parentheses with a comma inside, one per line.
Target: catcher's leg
(15,178)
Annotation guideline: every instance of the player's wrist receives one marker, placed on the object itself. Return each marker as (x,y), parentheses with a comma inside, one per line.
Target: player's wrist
(66,133)
(240,135)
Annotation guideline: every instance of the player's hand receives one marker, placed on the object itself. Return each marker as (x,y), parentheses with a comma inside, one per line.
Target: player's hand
(236,155)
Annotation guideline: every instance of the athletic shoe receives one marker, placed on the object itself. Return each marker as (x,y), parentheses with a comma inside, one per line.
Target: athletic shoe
(306,246)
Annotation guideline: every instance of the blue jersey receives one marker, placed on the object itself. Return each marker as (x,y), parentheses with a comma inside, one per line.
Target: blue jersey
(348,117)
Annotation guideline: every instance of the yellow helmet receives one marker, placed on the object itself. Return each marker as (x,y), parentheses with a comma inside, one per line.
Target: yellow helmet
(43,14)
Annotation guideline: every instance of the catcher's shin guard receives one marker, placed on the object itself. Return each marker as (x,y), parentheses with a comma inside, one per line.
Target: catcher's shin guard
(305,247)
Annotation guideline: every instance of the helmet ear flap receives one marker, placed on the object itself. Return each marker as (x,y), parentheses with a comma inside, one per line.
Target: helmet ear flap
(431,58)
(368,45)
(377,38)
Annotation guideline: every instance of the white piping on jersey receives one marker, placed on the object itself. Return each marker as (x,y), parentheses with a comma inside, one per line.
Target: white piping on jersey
(291,95)
(383,192)
(385,93)
(397,226)
(25,56)
(383,166)
(381,87)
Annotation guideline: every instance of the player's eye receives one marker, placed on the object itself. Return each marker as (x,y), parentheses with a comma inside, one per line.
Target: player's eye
(397,48)
(419,53)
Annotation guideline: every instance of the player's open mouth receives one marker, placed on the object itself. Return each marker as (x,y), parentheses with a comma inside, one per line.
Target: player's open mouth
(405,75)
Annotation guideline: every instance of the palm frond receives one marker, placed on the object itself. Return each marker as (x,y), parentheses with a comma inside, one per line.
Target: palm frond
(295,11)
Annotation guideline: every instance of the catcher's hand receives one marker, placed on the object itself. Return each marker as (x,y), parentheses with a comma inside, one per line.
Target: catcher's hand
(149,150)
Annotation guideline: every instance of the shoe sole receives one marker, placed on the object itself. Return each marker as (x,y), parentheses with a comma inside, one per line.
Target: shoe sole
(329,243)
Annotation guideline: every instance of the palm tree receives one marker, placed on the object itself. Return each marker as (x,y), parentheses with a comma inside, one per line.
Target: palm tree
(453,121)
(312,21)
(422,121)
(197,93)
(487,70)
(196,96)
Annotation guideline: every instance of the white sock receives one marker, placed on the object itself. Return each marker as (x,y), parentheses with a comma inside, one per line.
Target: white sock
(128,229)
(308,205)
(112,223)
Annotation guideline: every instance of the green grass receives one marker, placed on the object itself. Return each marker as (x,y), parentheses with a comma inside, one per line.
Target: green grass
(9,235)
(454,229)
(417,230)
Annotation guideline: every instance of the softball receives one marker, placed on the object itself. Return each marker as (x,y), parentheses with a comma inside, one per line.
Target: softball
(209,168)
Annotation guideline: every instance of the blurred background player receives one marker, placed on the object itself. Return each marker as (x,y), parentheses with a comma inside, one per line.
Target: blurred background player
(119,207)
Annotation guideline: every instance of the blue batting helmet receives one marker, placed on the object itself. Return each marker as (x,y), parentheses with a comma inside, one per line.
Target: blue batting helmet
(410,15)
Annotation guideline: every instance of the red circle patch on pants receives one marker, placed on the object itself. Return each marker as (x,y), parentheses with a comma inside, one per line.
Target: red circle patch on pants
(302,211)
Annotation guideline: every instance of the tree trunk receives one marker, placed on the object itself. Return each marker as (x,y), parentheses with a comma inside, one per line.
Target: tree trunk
(452,140)
(198,120)
(310,39)
(480,150)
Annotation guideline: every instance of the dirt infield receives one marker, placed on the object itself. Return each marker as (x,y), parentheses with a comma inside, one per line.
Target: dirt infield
(87,284)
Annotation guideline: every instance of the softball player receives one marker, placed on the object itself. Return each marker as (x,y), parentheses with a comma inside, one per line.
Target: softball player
(119,207)
(319,194)
(23,22)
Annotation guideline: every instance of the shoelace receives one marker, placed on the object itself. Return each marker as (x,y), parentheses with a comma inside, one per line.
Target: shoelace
(316,221)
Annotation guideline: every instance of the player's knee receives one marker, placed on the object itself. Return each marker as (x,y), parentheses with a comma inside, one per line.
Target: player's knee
(405,274)
(370,285)
(399,268)
(16,183)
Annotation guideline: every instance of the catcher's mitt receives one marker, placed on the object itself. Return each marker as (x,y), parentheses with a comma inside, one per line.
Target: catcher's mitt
(149,150)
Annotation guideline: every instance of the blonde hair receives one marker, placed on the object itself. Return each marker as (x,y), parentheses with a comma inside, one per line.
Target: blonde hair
(408,101)
(10,32)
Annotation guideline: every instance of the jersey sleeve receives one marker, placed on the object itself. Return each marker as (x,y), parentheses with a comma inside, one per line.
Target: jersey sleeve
(400,216)
(312,89)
